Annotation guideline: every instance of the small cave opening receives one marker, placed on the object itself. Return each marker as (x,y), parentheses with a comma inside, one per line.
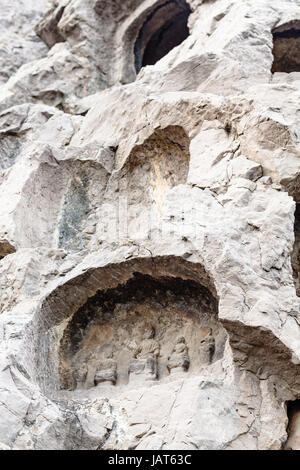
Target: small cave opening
(293,428)
(286,48)
(165,28)
(296,251)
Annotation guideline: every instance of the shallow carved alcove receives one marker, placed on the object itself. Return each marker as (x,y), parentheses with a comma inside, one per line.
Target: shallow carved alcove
(286,48)
(141,332)
(165,28)
(140,187)
(157,165)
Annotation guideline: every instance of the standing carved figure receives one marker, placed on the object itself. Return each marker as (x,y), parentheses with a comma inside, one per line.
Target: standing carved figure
(107,370)
(207,347)
(145,356)
(179,359)
(80,375)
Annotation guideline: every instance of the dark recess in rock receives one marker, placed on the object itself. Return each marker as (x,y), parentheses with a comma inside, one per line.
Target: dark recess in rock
(293,413)
(47,29)
(142,298)
(6,249)
(165,28)
(286,49)
(139,288)
(296,251)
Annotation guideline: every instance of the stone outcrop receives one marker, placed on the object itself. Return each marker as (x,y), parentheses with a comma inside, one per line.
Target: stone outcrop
(149,224)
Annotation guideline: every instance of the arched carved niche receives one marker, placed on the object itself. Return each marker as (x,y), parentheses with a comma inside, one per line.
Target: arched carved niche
(149,34)
(180,301)
(151,170)
(165,28)
(105,342)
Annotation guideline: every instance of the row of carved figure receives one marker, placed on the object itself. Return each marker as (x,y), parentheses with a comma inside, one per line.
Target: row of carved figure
(145,359)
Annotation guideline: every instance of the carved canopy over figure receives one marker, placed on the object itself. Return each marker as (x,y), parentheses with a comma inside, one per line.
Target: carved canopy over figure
(179,358)
(145,356)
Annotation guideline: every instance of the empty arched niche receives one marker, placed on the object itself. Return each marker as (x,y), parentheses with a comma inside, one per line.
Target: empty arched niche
(165,28)
(153,168)
(141,321)
(160,163)
(286,48)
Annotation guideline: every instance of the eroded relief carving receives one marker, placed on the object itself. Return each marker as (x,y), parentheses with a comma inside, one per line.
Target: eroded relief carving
(142,357)
(146,331)
(207,347)
(80,375)
(145,357)
(107,370)
(179,359)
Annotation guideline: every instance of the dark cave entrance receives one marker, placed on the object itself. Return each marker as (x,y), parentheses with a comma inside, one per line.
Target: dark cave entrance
(293,428)
(286,48)
(165,28)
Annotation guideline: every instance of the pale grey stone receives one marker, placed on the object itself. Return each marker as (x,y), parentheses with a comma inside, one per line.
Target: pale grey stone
(164,195)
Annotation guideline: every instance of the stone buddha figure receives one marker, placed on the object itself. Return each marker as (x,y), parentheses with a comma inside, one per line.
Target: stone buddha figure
(179,359)
(145,356)
(207,347)
(80,375)
(107,369)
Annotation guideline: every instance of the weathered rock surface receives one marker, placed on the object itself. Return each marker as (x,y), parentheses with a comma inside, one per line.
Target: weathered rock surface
(19,42)
(149,224)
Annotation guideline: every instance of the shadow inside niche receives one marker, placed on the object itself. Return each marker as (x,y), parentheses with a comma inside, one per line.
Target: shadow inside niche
(165,28)
(286,48)
(293,429)
(102,337)
(296,251)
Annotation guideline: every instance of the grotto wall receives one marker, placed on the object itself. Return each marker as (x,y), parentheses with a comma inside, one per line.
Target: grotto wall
(149,225)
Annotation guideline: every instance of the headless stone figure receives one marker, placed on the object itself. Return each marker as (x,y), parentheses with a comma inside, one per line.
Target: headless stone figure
(179,359)
(145,357)
(207,347)
(107,370)
(293,442)
(80,375)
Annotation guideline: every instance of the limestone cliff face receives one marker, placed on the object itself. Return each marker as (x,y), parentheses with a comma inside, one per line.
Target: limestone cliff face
(149,226)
